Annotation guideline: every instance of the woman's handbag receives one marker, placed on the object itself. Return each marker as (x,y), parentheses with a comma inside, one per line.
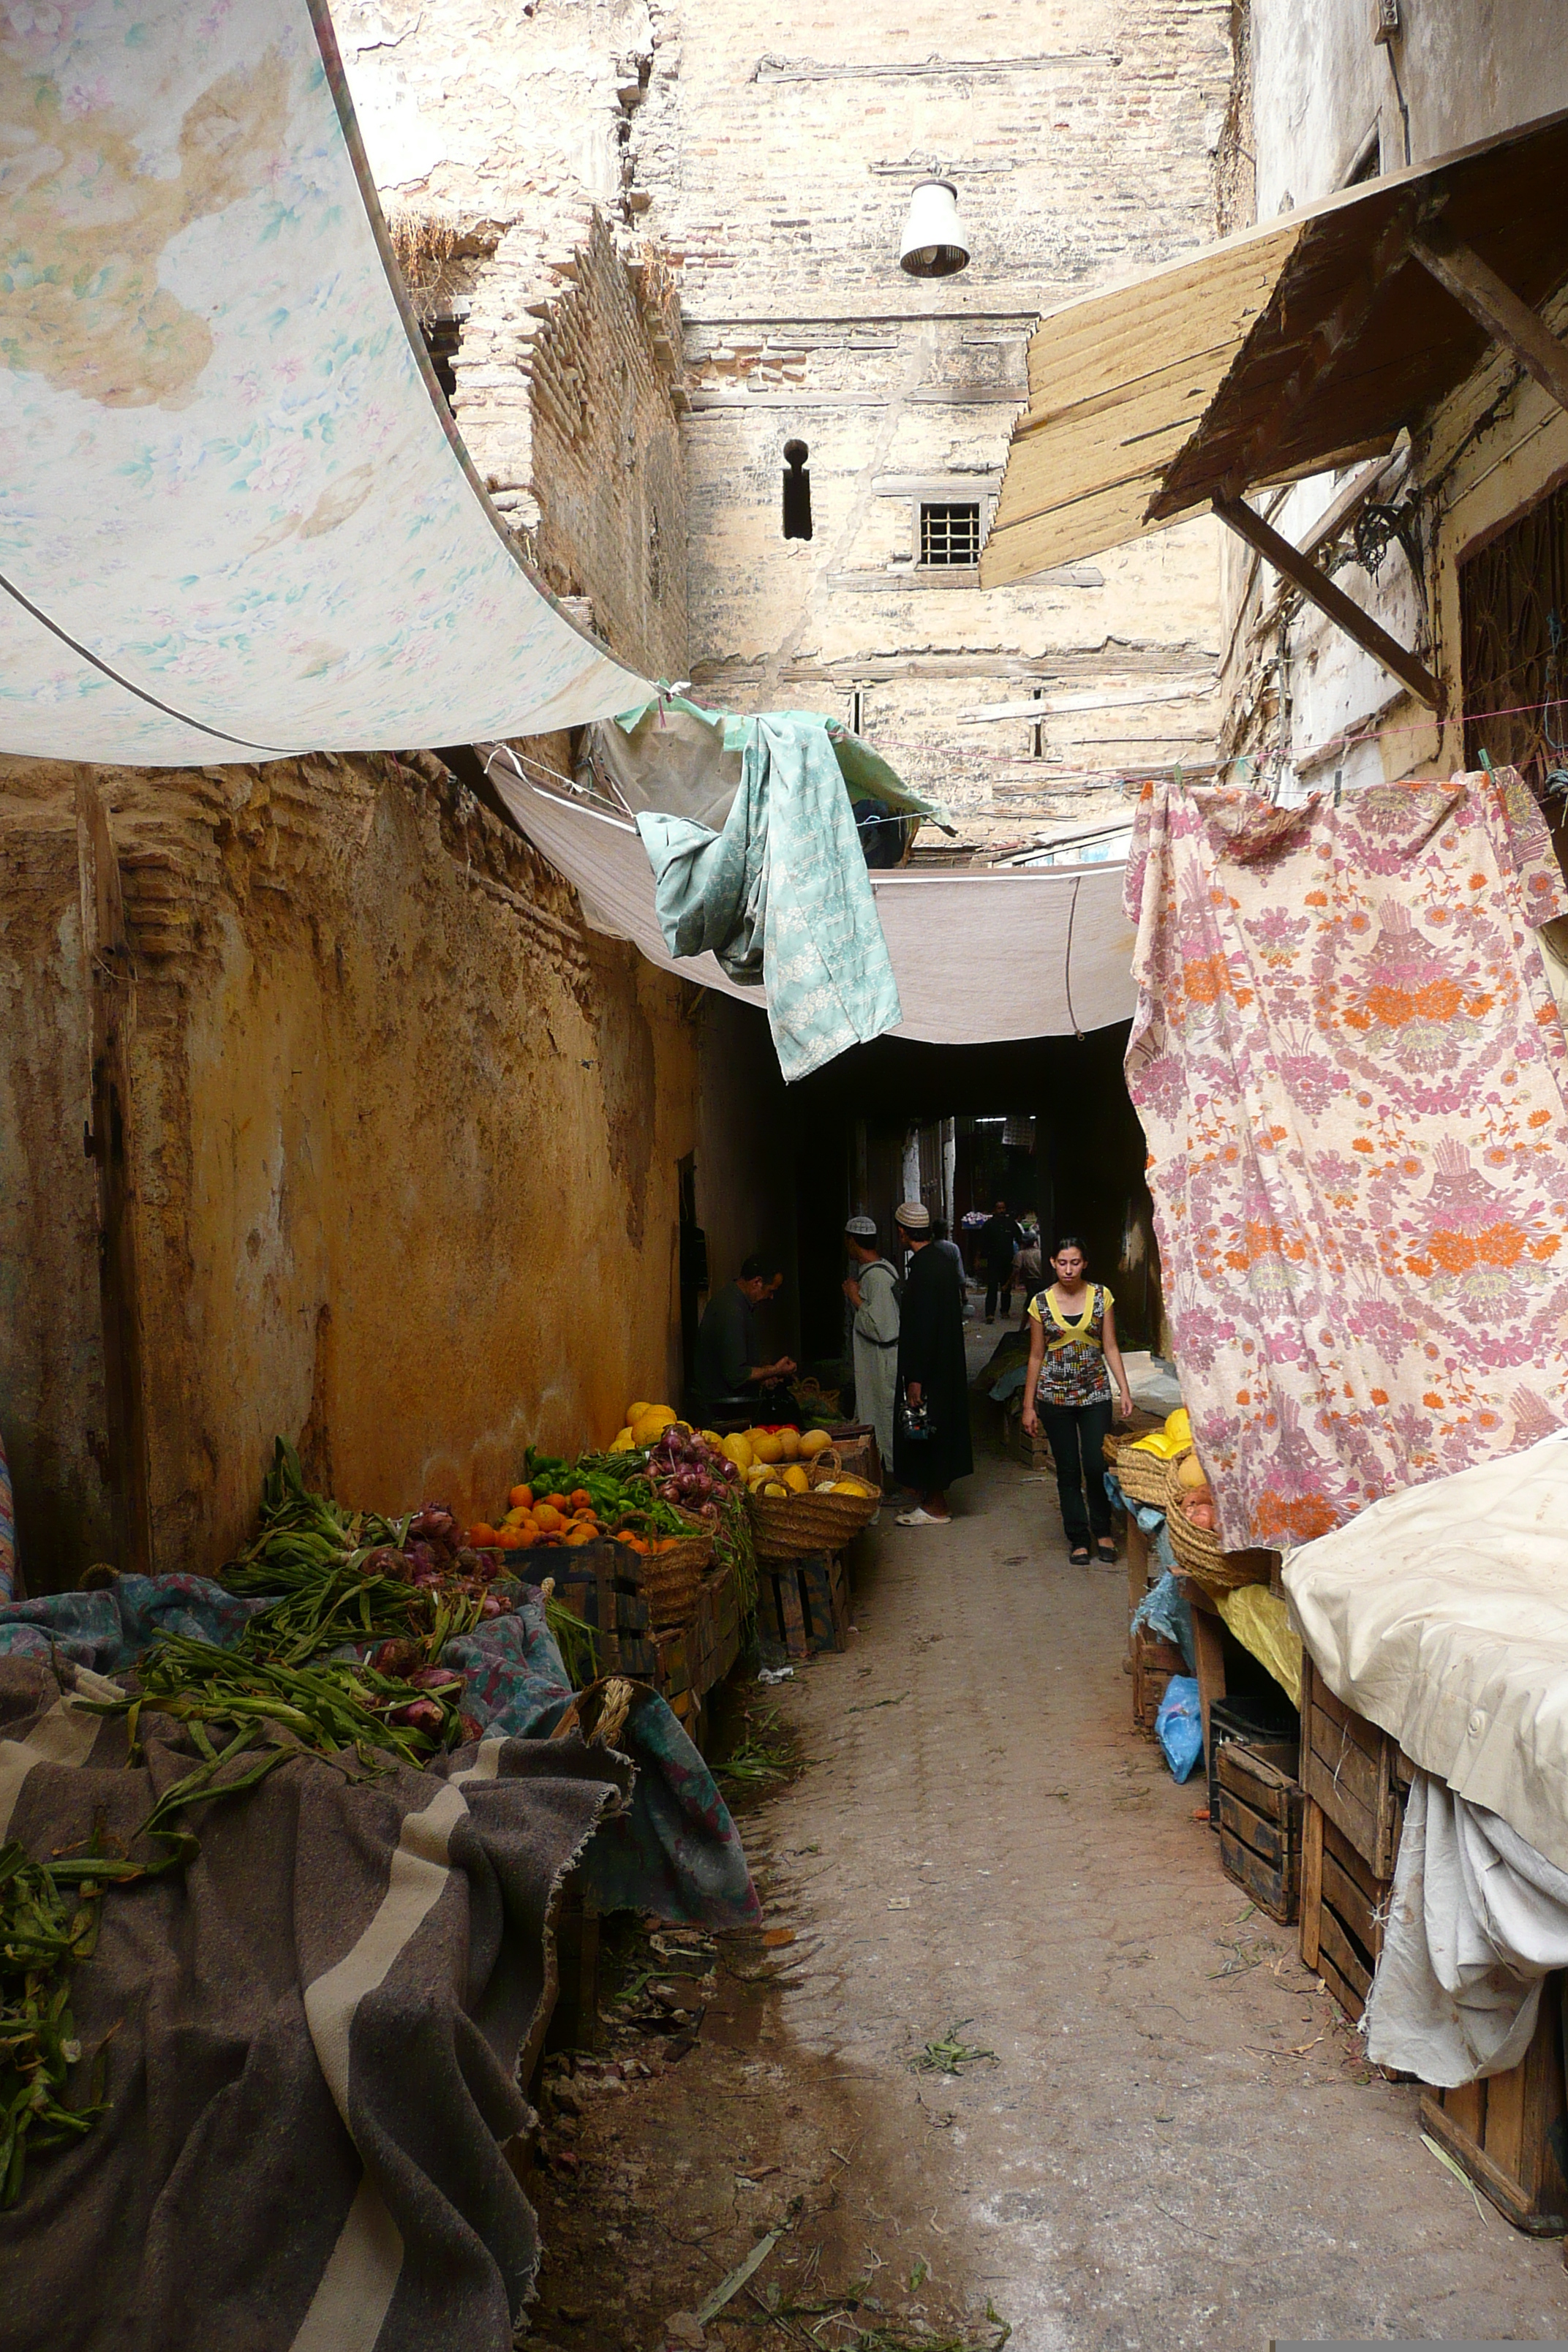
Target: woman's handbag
(915,1423)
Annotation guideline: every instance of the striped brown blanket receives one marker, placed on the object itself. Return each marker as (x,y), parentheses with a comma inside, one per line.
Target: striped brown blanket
(313,2036)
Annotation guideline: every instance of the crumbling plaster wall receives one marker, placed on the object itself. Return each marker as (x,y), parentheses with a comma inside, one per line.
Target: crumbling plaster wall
(406,1140)
(508,130)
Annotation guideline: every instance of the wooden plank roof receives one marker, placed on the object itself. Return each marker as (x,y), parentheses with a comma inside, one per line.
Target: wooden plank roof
(1298,345)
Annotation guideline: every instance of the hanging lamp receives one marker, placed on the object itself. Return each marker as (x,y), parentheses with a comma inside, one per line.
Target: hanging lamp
(936,242)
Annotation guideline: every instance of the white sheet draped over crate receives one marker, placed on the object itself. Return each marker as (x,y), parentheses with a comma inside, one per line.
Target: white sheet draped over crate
(1476,1918)
(1441,1614)
(978,957)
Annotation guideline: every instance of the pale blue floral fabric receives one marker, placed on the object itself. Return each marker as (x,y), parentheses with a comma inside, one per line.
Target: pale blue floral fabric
(781,894)
(235,517)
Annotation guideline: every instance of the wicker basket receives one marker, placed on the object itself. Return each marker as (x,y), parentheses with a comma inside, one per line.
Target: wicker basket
(1201,1555)
(1142,1477)
(814,1522)
(669,1581)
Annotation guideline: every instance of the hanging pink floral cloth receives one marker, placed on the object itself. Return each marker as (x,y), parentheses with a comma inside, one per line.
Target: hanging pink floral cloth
(1350,1073)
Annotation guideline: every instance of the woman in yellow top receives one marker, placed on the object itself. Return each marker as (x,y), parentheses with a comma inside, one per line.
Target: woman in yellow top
(1072,1356)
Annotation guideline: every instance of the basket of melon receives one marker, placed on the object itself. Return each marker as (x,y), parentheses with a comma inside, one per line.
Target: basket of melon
(799,1497)
(1143,1465)
(1191,1522)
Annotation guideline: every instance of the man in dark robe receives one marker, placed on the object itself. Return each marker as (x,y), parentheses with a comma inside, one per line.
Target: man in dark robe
(933,1375)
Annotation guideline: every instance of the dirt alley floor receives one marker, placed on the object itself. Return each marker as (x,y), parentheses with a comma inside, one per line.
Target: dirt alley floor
(1176,2143)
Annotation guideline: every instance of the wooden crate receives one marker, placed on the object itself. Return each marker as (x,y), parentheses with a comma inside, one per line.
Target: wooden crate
(1343,1903)
(1355,1772)
(1260,1810)
(1154,1663)
(1507,2131)
(805,1604)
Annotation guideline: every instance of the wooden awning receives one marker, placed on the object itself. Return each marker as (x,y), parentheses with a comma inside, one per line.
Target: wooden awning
(1299,345)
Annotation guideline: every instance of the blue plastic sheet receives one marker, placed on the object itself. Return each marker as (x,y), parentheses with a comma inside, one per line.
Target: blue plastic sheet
(1179,1726)
(1166,1612)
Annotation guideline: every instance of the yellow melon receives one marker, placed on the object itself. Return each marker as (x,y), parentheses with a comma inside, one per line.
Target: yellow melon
(789,1440)
(739,1449)
(798,1480)
(766,1447)
(811,1441)
(1190,1471)
(650,1424)
(775,1492)
(623,1442)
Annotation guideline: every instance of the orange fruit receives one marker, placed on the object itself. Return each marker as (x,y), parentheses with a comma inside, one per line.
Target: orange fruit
(547,1517)
(580,1499)
(579,1535)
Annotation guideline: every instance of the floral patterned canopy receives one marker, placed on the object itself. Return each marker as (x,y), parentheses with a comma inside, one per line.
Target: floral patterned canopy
(1351,1072)
(234,517)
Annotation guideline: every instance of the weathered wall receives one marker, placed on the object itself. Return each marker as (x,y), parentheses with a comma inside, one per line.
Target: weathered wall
(1329,102)
(406,1154)
(1086,137)
(1082,140)
(1325,91)
(507,134)
(746,1156)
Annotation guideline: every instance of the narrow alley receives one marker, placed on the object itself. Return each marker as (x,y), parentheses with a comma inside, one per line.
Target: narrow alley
(783,1175)
(1178,2141)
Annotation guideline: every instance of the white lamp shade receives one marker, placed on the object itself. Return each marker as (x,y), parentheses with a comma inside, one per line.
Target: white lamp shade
(936,242)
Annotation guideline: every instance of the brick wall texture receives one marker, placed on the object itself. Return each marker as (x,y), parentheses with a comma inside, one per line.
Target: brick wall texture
(770,165)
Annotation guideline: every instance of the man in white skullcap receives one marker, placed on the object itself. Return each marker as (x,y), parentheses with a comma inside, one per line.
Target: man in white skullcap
(872,1291)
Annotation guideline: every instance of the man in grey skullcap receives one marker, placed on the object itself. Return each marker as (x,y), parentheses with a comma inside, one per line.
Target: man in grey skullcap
(872,1291)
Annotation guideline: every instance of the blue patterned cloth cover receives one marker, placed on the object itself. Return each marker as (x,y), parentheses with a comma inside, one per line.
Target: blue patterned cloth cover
(674,1851)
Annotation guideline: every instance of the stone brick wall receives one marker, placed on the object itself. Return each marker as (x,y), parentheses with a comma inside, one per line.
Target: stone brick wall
(1082,139)
(772,167)
(511,130)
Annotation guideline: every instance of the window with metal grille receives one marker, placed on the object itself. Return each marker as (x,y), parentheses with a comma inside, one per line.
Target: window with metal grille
(949,534)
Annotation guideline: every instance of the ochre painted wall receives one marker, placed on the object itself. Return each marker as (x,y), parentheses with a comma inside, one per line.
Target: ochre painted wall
(405,1150)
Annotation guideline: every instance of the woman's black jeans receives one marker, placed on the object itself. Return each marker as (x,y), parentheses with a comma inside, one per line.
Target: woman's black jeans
(1077,1435)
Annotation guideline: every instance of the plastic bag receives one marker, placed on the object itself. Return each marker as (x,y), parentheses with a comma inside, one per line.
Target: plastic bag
(1179,1726)
(1167,1612)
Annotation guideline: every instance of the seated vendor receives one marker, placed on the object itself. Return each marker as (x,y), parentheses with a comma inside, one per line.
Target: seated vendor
(728,1375)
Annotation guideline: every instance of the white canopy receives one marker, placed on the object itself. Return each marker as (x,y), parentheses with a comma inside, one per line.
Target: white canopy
(978,957)
(235,517)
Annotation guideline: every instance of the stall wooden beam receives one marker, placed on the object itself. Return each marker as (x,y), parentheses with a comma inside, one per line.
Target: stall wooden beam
(1494,305)
(1208,1647)
(1330,599)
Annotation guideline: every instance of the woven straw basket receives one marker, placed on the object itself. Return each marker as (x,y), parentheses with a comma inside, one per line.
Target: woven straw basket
(1142,1477)
(669,1581)
(1199,1552)
(805,1524)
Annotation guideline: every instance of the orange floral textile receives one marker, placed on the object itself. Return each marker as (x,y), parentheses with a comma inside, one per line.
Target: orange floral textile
(1350,1073)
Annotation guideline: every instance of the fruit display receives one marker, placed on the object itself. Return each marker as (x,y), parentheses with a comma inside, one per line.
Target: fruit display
(658,1478)
(778,1462)
(1169,1443)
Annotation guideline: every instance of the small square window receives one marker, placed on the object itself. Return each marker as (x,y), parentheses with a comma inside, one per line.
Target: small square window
(950,535)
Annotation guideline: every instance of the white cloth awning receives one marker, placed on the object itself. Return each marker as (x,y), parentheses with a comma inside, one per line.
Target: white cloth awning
(979,958)
(235,520)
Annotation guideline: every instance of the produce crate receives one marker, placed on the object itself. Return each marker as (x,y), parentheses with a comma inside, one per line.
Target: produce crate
(1261,1808)
(1250,1717)
(803,1604)
(857,1444)
(713,1637)
(1154,1663)
(672,1670)
(1343,1902)
(1509,2133)
(1354,1771)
